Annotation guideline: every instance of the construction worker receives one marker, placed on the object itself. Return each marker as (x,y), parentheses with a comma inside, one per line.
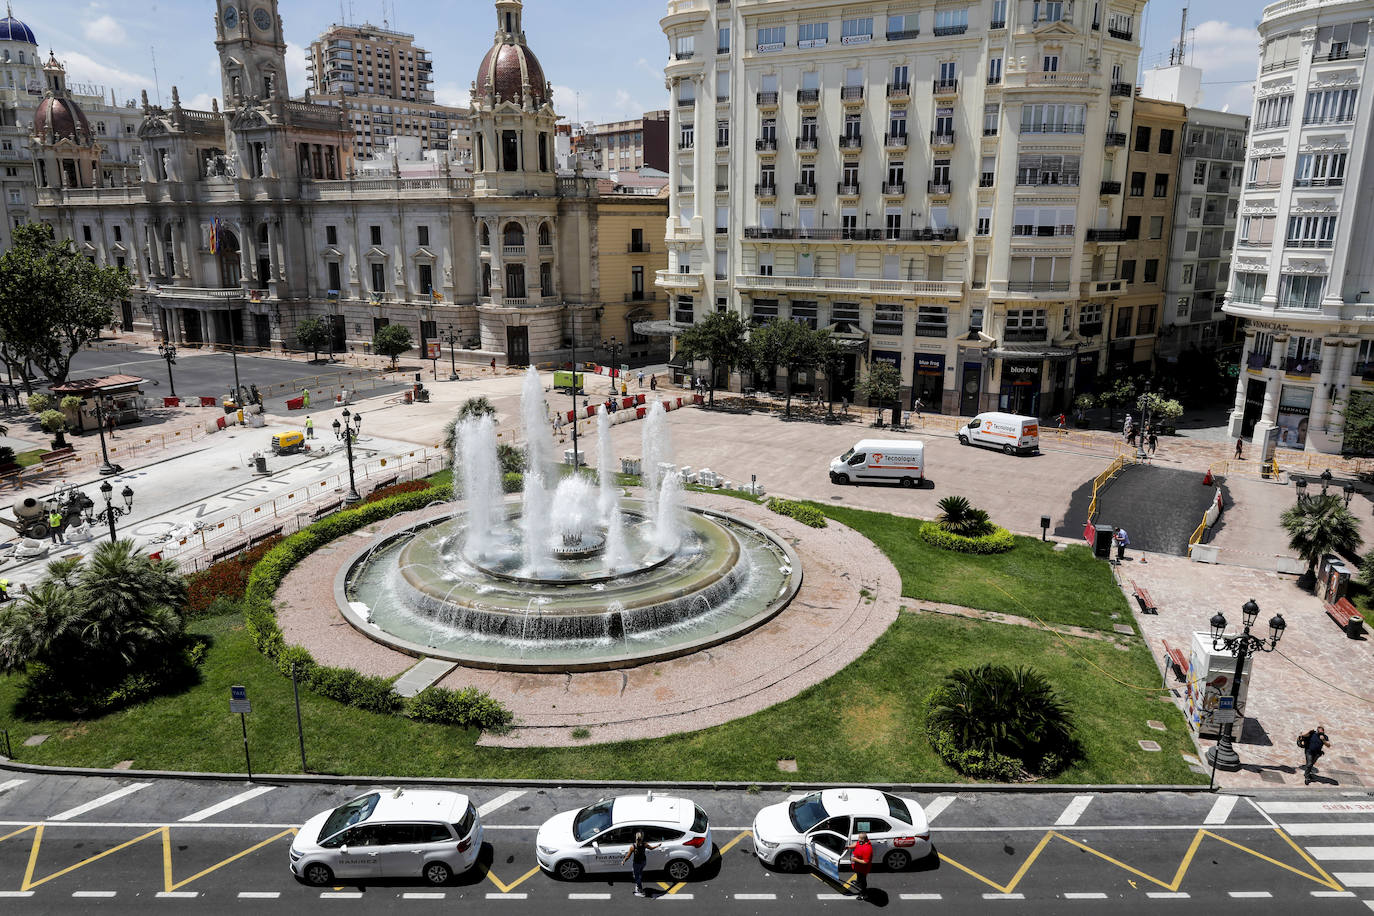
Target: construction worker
(309,428)
(55,527)
(4,589)
(305,398)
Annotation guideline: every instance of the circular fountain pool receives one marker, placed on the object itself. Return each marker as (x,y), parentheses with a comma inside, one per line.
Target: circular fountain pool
(426,590)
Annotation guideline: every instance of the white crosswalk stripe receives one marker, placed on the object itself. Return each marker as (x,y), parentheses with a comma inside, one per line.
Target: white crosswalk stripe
(100,802)
(505,798)
(1341,853)
(207,813)
(1074,810)
(1221,809)
(11,784)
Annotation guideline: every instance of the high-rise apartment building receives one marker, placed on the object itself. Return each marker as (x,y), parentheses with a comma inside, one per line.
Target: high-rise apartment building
(1304,263)
(627,145)
(940,186)
(384,79)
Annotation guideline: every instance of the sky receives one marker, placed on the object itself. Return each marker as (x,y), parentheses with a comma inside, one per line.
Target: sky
(604,57)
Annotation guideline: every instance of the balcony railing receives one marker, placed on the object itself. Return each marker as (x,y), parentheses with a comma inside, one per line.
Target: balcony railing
(1346,118)
(1307,183)
(767,99)
(937,187)
(806,144)
(854,142)
(827,285)
(997,24)
(1346,53)
(1030,230)
(894,188)
(686,143)
(942,31)
(680,279)
(1110,187)
(995,79)
(1122,90)
(1048,180)
(808,96)
(1072,79)
(1123,34)
(1272,124)
(1258,360)
(766,144)
(1025,334)
(640,248)
(1107,235)
(1218,185)
(1114,138)
(684,55)
(1037,286)
(987,179)
(1309,243)
(898,90)
(946,87)
(942,138)
(851,94)
(1054,129)
(687,103)
(903,35)
(512,251)
(804,190)
(765,190)
(1215,218)
(895,141)
(1089,328)
(947,234)
(1303,366)
(1278,65)
(847,190)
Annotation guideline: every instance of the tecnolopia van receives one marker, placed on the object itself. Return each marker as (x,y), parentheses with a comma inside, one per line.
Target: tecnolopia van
(902,460)
(1007,431)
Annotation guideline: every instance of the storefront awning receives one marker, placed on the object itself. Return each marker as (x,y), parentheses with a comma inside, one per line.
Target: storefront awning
(847,336)
(1031,351)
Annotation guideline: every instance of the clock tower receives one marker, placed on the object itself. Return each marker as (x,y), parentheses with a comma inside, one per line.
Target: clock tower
(252,51)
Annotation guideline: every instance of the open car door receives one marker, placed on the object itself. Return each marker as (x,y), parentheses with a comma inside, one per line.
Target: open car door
(825,854)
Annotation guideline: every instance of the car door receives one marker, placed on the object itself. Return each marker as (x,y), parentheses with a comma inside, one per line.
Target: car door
(358,852)
(606,852)
(879,832)
(825,853)
(669,843)
(401,850)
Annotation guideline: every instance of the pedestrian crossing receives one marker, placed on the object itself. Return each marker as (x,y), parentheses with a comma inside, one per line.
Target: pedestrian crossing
(1341,827)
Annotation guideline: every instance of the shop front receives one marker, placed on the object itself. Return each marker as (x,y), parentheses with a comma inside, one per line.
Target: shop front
(929,387)
(1021,383)
(1295,409)
(1085,373)
(1254,406)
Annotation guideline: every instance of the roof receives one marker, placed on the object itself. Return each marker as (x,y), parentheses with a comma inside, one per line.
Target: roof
(506,68)
(12,29)
(657,809)
(420,804)
(90,385)
(63,117)
(844,801)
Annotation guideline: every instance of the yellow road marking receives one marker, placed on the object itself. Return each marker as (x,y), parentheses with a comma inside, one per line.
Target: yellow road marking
(507,888)
(170,885)
(29,882)
(16,833)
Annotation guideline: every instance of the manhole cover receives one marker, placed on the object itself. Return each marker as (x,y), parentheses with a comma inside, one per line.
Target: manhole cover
(34,740)
(1268,776)
(1123,629)
(1151,746)
(788,764)
(1157,726)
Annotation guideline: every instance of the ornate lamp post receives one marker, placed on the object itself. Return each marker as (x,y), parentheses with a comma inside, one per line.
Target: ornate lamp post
(452,339)
(111,511)
(1145,405)
(616,348)
(1223,756)
(106,469)
(168,351)
(347,432)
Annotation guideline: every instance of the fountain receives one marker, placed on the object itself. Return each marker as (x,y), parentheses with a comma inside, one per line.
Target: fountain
(571,575)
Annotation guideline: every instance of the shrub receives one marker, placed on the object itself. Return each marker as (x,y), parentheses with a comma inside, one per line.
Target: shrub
(998,540)
(396,489)
(48,694)
(352,688)
(52,421)
(39,402)
(224,581)
(511,457)
(973,762)
(805,513)
(957,516)
(468,708)
(512,483)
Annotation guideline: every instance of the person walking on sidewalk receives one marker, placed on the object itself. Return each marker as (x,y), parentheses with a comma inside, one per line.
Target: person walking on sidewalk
(1314,744)
(1154,442)
(641,378)
(861,861)
(1063,423)
(1240,443)
(309,428)
(637,855)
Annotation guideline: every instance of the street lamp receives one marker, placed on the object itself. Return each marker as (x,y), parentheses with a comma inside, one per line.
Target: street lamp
(111,511)
(106,469)
(1326,480)
(1145,423)
(1223,756)
(347,432)
(616,348)
(452,359)
(168,351)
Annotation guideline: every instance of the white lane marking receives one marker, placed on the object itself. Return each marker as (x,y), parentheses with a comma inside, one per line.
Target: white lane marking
(341,895)
(505,798)
(495,896)
(1341,853)
(938,805)
(16,893)
(1166,895)
(1277,807)
(1221,809)
(922,896)
(1239,895)
(12,784)
(1074,810)
(1361,828)
(1004,896)
(259,895)
(1092,896)
(207,813)
(93,893)
(423,895)
(756,896)
(178,894)
(673,897)
(1354,878)
(834,896)
(1333,893)
(102,800)
(589,896)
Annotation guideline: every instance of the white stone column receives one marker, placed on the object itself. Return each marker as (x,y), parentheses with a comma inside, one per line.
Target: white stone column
(1242,385)
(274,250)
(1319,419)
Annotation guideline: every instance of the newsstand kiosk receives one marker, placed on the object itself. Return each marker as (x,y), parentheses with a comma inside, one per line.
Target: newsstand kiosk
(1210,673)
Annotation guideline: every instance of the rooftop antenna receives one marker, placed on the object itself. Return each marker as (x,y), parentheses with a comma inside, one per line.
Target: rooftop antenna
(1183,35)
(156,85)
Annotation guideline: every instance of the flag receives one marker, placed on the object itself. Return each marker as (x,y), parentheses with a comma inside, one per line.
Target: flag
(438,296)
(214,235)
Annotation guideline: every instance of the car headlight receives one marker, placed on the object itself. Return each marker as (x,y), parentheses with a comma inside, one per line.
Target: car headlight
(548,850)
(296,856)
(760,841)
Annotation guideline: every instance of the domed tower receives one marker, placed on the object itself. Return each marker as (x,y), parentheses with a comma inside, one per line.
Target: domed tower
(512,113)
(19,55)
(67,154)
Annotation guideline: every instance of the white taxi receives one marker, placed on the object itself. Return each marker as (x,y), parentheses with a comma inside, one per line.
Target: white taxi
(596,838)
(895,826)
(421,833)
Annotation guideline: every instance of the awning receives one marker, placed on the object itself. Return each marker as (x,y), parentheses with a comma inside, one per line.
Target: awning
(660,327)
(848,336)
(1031,351)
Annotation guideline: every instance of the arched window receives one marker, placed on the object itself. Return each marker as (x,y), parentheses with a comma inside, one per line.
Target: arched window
(513,236)
(545,235)
(486,279)
(486,235)
(262,234)
(515,281)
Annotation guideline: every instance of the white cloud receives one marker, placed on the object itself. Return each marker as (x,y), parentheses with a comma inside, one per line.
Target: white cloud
(452,94)
(104,30)
(297,77)
(1229,58)
(201,101)
(84,69)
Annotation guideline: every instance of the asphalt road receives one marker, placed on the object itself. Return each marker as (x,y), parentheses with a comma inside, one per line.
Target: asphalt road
(70,844)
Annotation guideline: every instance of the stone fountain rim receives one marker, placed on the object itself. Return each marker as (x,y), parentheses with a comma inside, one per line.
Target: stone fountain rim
(548,666)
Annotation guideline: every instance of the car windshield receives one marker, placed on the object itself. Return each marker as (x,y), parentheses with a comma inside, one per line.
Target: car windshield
(847,455)
(346,815)
(807,812)
(464,826)
(897,808)
(699,822)
(591,820)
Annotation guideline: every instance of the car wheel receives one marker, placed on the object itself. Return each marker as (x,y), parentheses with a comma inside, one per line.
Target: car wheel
(840,479)
(963,440)
(319,874)
(789,861)
(438,873)
(568,870)
(897,860)
(679,869)
(1007,449)
(908,482)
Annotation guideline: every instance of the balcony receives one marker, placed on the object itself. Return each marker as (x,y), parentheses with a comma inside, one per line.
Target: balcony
(938,188)
(899,90)
(1107,235)
(765,190)
(1306,183)
(1029,230)
(640,248)
(806,144)
(903,35)
(1302,366)
(1219,185)
(847,190)
(1309,243)
(945,87)
(641,295)
(722,142)
(1215,218)
(686,143)
(852,95)
(804,190)
(512,251)
(942,138)
(849,285)
(1345,53)
(687,103)
(1025,335)
(995,80)
(997,24)
(1099,288)
(854,142)
(942,31)
(1037,287)
(1110,187)
(808,97)
(1069,79)
(895,141)
(766,99)
(1122,90)
(684,55)
(987,179)
(1257,361)
(894,188)
(1048,179)
(766,144)
(1120,34)
(1089,329)
(680,280)
(1272,124)
(1114,138)
(945,235)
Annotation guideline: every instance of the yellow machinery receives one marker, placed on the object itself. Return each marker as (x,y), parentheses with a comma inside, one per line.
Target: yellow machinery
(288,442)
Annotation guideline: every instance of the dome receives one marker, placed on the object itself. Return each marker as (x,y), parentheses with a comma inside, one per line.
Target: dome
(63,117)
(506,68)
(12,29)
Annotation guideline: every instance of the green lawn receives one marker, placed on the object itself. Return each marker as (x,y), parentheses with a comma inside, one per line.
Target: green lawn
(1058,587)
(29,458)
(860,725)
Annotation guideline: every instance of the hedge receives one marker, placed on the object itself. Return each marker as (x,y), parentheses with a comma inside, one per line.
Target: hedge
(224,581)
(805,513)
(374,694)
(396,489)
(999,540)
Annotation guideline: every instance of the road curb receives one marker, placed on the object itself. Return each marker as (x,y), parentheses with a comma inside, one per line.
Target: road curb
(7,764)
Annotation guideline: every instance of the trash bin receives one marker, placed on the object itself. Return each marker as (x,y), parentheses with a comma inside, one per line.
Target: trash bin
(260,462)
(1355,628)
(1102,541)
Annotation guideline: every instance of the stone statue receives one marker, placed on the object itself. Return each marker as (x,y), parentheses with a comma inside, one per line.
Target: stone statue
(263,163)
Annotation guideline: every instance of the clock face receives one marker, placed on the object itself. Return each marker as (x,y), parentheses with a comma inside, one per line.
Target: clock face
(262,19)
(231,17)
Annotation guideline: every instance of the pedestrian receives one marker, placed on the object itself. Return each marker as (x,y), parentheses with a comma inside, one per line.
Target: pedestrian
(309,428)
(1154,442)
(558,424)
(1122,542)
(493,364)
(4,589)
(917,407)
(5,397)
(653,383)
(305,398)
(1126,427)
(861,861)
(1063,423)
(844,406)
(55,527)
(1240,443)
(641,378)
(636,855)
(257,395)
(110,423)
(1314,744)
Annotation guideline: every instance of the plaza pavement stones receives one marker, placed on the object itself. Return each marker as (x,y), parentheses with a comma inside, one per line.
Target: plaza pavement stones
(1317,676)
(850,595)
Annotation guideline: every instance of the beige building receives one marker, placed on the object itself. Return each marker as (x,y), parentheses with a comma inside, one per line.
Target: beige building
(1156,137)
(384,80)
(626,145)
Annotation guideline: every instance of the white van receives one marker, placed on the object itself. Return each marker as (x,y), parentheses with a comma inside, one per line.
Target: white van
(902,460)
(1007,431)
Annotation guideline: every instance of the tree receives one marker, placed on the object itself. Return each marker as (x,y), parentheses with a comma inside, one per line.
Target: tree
(958,516)
(1358,412)
(53,301)
(882,385)
(311,334)
(720,339)
(1318,525)
(786,344)
(830,360)
(479,406)
(997,709)
(392,341)
(55,423)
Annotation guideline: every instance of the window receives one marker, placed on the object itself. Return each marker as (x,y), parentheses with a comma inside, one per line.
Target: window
(1142,139)
(896,124)
(686,47)
(687,137)
(1329,107)
(1187,276)
(1090,318)
(333,268)
(994,70)
(331,235)
(856,31)
(903,26)
(1311,231)
(849,176)
(1119,25)
(984,221)
(1267,171)
(999,15)
(1338,42)
(854,78)
(723,40)
(951,21)
(378,277)
(1048,10)
(893,222)
(1166,141)
(1314,170)
(1301,291)
(1256,231)
(86,233)
(808,128)
(1273,111)
(768,130)
(931,321)
(768,175)
(1145,318)
(1137,184)
(1052,118)
(1047,170)
(1151,270)
(813,34)
(1133,227)
(722,133)
(772,39)
(987,173)
(422,235)
(992,116)
(118,234)
(1161,184)
(1248,287)
(1156,227)
(722,86)
(1128,271)
(901,77)
(1195,207)
(944,122)
(426,279)
(853,125)
(1027,320)
(939,172)
(1050,63)
(376,232)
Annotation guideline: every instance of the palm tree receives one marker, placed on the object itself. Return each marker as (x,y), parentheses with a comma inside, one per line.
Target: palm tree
(957,516)
(1319,525)
(43,624)
(131,603)
(1003,710)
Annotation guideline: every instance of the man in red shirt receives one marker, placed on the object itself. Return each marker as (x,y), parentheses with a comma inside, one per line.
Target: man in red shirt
(861,861)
